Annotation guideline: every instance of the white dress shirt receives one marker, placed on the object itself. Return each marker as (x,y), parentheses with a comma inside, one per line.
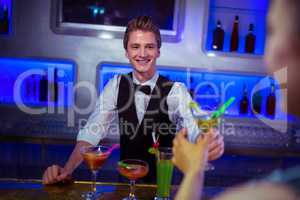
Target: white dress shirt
(103,121)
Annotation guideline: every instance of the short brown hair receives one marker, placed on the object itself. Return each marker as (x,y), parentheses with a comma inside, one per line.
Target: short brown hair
(143,23)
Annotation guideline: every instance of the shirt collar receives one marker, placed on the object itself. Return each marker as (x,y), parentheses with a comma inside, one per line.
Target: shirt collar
(151,82)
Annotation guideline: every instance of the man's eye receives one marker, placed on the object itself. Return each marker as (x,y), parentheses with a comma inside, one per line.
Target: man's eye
(150,47)
(134,47)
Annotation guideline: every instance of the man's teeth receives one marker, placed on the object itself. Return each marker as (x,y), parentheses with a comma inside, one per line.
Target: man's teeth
(143,61)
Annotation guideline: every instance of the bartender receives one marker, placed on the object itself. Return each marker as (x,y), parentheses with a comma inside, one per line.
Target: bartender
(140,103)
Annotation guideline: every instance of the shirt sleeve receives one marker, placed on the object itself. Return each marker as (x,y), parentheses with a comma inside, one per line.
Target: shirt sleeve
(104,116)
(179,112)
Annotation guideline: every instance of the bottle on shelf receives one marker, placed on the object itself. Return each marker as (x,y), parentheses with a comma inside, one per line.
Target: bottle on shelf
(43,94)
(35,88)
(271,102)
(234,41)
(4,22)
(53,86)
(27,93)
(244,102)
(31,89)
(250,40)
(257,102)
(218,37)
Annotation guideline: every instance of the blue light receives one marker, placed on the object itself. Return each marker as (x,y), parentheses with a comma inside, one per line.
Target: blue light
(102,11)
(95,11)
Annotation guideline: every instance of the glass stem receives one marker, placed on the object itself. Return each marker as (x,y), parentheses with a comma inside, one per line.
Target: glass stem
(132,189)
(94,177)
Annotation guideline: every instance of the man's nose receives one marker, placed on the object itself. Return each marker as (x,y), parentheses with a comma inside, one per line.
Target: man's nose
(142,52)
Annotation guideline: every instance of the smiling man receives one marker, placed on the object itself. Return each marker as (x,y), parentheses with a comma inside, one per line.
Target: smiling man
(143,102)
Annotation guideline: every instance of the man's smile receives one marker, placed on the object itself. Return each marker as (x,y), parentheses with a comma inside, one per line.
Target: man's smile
(143,61)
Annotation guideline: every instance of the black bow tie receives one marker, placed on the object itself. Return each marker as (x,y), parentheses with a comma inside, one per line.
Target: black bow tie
(146,89)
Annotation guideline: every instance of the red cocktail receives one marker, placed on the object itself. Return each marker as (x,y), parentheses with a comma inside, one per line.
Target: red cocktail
(133,170)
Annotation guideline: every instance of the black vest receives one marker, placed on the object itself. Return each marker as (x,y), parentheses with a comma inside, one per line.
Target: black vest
(135,138)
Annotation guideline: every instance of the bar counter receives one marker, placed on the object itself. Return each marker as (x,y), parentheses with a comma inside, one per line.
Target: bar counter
(22,165)
(15,189)
(33,189)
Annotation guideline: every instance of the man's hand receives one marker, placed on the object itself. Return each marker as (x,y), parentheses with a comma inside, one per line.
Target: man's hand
(55,174)
(189,157)
(216,145)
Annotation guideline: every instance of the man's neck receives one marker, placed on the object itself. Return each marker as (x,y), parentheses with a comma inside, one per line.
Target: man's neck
(143,77)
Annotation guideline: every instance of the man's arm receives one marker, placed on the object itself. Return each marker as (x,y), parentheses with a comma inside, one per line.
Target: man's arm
(95,130)
(55,173)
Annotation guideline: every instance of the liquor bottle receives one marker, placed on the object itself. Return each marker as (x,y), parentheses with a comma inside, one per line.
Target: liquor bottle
(218,37)
(4,22)
(30,89)
(54,87)
(244,102)
(257,102)
(271,102)
(43,94)
(234,41)
(35,81)
(250,40)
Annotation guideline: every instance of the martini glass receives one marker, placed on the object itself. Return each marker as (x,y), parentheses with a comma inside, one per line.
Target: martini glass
(94,157)
(132,169)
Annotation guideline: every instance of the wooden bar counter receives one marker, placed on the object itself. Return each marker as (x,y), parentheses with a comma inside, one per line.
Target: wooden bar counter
(32,189)
(15,189)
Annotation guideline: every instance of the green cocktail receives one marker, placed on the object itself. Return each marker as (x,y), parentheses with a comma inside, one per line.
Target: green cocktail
(164,171)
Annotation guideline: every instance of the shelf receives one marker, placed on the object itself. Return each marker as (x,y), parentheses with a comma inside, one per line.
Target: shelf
(21,82)
(249,12)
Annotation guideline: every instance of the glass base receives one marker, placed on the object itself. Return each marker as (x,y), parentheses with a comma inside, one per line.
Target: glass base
(209,167)
(162,198)
(91,195)
(130,198)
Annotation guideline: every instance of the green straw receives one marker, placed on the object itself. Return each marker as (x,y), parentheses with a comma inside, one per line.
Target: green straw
(222,109)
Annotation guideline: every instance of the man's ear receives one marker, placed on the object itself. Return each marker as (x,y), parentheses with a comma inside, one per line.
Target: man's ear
(158,52)
(126,54)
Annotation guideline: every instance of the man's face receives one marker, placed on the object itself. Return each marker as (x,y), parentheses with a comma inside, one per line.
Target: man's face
(142,51)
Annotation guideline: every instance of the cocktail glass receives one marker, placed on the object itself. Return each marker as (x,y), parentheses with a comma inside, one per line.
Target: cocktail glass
(133,169)
(164,173)
(205,123)
(94,157)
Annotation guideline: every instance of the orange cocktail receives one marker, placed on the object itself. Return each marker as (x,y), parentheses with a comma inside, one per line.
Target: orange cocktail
(94,161)
(94,157)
